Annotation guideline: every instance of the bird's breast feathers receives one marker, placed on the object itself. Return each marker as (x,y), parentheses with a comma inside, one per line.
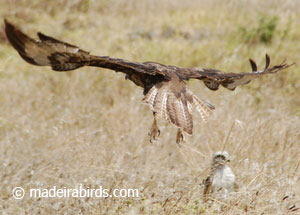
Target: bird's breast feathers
(224,178)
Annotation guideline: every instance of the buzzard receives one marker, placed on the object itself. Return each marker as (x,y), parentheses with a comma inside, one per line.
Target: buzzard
(221,178)
(164,86)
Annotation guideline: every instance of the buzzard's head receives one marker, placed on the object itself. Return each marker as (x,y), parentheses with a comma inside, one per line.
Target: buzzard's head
(220,159)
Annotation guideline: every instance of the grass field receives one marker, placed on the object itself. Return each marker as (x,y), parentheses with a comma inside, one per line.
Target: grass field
(89,126)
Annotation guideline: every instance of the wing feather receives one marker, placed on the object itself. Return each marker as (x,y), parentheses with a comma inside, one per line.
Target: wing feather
(62,56)
(212,78)
(207,186)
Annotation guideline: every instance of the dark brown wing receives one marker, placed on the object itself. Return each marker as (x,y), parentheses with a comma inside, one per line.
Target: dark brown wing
(207,186)
(62,56)
(40,52)
(214,78)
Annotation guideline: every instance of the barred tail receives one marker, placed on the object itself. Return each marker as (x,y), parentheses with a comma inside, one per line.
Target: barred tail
(204,108)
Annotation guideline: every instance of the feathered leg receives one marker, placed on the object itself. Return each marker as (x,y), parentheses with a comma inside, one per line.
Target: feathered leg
(154,131)
(179,137)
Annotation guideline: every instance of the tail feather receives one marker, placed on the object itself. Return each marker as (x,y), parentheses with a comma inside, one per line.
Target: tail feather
(160,103)
(171,113)
(204,108)
(184,117)
(190,106)
(177,106)
(176,110)
(150,97)
(179,115)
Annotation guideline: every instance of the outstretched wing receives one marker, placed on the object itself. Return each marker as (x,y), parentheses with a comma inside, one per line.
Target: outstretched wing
(207,185)
(62,56)
(214,78)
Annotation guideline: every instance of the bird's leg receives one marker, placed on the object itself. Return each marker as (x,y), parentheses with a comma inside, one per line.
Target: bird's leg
(154,131)
(179,137)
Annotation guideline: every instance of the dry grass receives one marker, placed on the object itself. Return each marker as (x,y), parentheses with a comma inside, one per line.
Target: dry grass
(89,126)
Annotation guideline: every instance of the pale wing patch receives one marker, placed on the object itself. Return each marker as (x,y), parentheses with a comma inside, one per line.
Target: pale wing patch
(244,80)
(37,53)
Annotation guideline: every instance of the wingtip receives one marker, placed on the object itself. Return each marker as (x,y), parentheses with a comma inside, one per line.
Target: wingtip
(289,65)
(40,35)
(18,40)
(6,22)
(267,61)
(10,29)
(267,56)
(44,37)
(253,65)
(8,25)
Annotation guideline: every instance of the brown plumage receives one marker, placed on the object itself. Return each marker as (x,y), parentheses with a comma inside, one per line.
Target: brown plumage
(221,178)
(164,87)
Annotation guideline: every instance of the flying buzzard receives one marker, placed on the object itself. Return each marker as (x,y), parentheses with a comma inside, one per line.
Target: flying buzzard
(164,87)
